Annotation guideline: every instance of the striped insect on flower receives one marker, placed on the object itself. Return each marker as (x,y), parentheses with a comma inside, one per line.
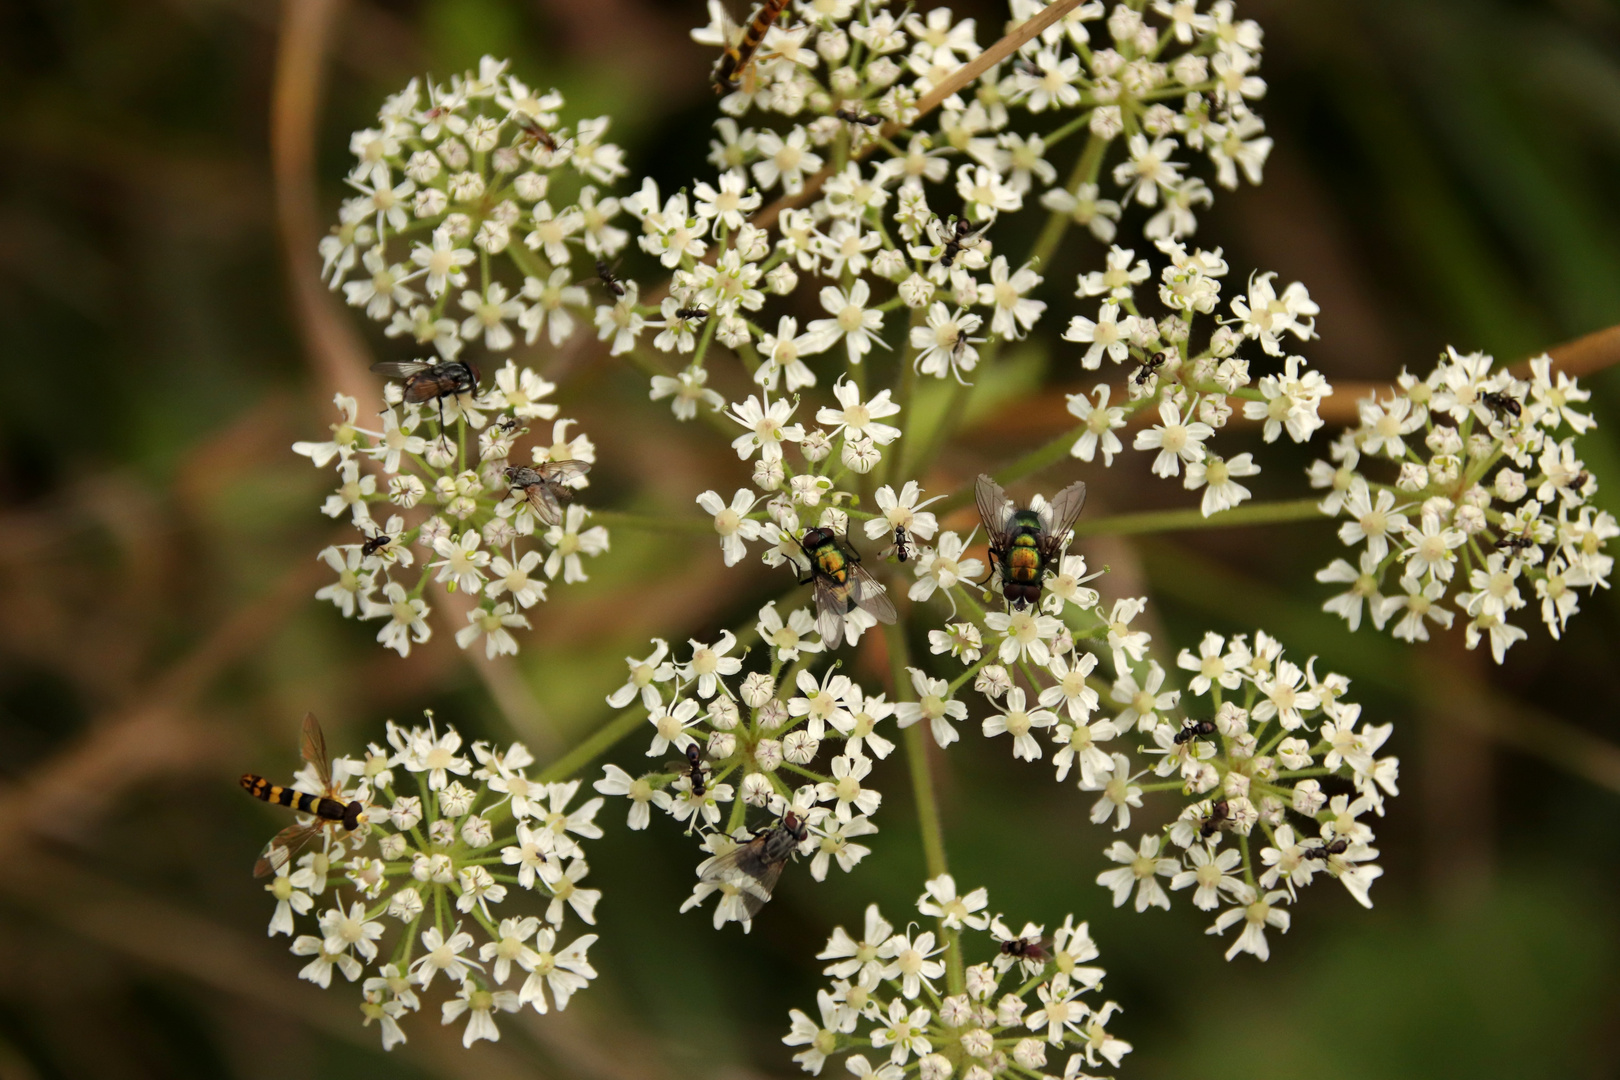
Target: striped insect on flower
(728,70)
(327,809)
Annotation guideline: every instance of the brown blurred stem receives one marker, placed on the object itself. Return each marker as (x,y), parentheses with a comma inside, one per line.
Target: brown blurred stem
(331,344)
(158,733)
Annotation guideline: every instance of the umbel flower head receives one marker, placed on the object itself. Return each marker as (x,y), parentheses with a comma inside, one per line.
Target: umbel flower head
(778,739)
(900,1003)
(465,884)
(462,516)
(1464,489)
(474,216)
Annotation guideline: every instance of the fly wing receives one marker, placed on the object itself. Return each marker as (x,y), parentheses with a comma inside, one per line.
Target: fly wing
(754,897)
(283,846)
(831,604)
(314,750)
(870,595)
(1060,516)
(400,369)
(543,501)
(563,472)
(993,509)
(746,869)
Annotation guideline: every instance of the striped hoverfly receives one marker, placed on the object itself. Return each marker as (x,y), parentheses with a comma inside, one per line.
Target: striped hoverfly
(741,44)
(326,809)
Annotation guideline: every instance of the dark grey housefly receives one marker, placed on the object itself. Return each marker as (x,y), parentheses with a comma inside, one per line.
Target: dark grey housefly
(754,867)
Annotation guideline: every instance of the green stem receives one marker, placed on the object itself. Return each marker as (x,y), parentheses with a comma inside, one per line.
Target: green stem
(1173,520)
(922,789)
(922,786)
(1042,457)
(922,781)
(597,743)
(1085,172)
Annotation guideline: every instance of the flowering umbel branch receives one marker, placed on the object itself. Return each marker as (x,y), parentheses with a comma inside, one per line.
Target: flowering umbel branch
(437,872)
(483,213)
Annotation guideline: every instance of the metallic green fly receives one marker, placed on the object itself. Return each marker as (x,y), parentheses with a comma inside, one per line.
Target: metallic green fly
(842,584)
(1024,542)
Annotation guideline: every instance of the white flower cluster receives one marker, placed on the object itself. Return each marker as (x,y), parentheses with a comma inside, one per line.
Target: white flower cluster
(477,533)
(756,735)
(871,229)
(1489,504)
(1258,748)
(456,178)
(441,868)
(1195,391)
(886,998)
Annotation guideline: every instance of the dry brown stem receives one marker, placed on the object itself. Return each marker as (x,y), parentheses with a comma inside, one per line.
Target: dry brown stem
(159,733)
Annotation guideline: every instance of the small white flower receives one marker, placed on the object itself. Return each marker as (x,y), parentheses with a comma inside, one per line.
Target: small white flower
(731,522)
(941,901)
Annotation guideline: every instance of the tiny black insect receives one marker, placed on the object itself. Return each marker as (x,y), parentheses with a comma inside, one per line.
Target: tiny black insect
(1192,729)
(696,771)
(375,544)
(1032,949)
(902,544)
(1514,543)
(611,283)
(1216,820)
(854,115)
(954,237)
(692,313)
(1148,367)
(1500,403)
(1338,847)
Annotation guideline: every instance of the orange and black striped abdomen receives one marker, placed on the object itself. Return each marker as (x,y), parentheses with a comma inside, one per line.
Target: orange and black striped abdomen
(301,801)
(738,56)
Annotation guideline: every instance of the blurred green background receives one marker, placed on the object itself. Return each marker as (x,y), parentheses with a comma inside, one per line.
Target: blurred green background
(1445,172)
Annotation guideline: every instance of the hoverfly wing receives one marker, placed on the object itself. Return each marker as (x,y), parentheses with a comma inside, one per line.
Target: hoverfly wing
(563,472)
(1060,516)
(400,369)
(313,748)
(831,604)
(283,846)
(994,509)
(867,593)
(543,501)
